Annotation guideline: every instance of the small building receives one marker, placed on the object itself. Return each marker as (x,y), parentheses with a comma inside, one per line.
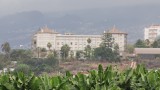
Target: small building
(147,53)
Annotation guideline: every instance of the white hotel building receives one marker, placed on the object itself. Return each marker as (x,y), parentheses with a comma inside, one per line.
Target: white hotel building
(152,32)
(76,42)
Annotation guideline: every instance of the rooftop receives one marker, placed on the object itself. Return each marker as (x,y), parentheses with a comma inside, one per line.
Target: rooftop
(46,30)
(147,50)
(114,30)
(154,26)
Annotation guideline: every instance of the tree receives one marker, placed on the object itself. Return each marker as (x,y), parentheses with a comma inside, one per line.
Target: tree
(20,54)
(88,48)
(116,52)
(4,61)
(65,51)
(6,48)
(130,48)
(89,40)
(147,42)
(88,51)
(23,68)
(140,44)
(55,53)
(79,54)
(105,51)
(100,52)
(43,52)
(38,52)
(156,44)
(51,60)
(116,48)
(71,54)
(49,45)
(107,40)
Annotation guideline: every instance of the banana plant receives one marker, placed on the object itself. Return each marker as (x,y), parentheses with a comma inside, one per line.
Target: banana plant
(109,79)
(6,83)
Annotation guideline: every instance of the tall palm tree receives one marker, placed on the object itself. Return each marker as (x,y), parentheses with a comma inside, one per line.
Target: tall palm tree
(89,41)
(147,42)
(6,48)
(88,48)
(49,45)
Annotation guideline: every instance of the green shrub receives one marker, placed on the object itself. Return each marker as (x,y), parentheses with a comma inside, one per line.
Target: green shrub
(23,68)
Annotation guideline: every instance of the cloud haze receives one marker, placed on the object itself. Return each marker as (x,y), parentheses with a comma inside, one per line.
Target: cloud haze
(13,6)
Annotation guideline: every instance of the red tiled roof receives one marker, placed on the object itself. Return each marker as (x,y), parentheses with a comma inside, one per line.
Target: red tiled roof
(46,30)
(115,31)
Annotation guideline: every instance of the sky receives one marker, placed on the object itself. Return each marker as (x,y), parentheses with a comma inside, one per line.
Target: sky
(14,6)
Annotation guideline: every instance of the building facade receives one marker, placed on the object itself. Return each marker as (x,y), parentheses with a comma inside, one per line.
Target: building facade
(152,32)
(75,42)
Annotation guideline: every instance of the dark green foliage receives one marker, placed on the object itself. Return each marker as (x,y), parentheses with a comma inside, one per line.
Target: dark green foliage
(43,50)
(107,40)
(65,51)
(147,42)
(104,53)
(42,65)
(101,79)
(78,54)
(156,44)
(4,61)
(49,45)
(130,48)
(140,44)
(23,68)
(100,52)
(89,40)
(20,54)
(6,47)
(88,51)
(108,50)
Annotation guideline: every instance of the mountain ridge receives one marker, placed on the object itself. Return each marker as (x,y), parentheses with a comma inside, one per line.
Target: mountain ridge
(18,28)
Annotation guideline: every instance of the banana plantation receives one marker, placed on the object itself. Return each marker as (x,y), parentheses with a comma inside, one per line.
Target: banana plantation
(110,78)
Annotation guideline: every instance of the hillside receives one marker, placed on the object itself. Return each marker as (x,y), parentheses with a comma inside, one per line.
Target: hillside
(19,27)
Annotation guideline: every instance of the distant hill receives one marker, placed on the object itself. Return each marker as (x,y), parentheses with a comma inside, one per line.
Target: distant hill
(18,28)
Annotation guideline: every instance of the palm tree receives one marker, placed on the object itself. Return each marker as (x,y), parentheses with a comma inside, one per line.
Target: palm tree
(89,41)
(49,45)
(147,42)
(88,51)
(6,48)
(88,48)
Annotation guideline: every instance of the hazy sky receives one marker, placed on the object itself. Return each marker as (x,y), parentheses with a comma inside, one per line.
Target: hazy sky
(13,6)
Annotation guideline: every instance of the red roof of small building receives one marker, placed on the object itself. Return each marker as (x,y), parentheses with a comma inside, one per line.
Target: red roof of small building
(46,30)
(114,30)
